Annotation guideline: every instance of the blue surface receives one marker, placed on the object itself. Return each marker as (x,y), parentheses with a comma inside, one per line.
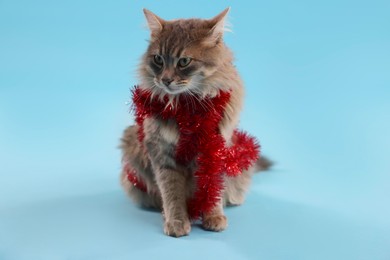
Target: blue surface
(318,97)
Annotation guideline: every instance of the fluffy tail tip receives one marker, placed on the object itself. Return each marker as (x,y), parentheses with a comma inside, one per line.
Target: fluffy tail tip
(263,164)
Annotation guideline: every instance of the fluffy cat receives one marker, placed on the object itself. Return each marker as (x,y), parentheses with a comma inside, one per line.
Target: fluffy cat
(184,57)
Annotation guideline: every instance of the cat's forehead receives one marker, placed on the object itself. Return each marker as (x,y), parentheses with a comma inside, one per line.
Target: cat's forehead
(186,24)
(185,29)
(183,34)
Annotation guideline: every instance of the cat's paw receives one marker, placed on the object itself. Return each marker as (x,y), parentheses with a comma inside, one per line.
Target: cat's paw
(177,228)
(214,222)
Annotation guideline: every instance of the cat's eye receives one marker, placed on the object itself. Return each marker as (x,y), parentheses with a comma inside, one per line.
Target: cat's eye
(184,62)
(158,60)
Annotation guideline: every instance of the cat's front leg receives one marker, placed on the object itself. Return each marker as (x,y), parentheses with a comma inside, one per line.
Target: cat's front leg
(172,179)
(216,219)
(172,184)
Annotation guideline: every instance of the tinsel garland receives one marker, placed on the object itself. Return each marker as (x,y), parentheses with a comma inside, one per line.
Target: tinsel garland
(200,140)
(133,178)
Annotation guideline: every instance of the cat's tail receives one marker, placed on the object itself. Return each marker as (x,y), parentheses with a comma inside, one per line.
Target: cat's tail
(262,164)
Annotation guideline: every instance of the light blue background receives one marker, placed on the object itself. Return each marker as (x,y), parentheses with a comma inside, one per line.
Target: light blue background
(317,75)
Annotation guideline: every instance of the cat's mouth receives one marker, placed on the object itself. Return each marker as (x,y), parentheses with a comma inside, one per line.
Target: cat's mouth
(172,89)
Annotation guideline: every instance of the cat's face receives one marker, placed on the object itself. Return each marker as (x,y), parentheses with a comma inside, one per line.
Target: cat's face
(182,53)
(175,72)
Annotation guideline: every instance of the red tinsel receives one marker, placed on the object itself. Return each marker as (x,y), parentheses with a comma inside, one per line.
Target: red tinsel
(133,178)
(199,140)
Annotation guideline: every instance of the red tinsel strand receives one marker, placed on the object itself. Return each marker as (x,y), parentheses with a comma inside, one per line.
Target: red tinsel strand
(209,172)
(241,155)
(133,178)
(209,178)
(201,140)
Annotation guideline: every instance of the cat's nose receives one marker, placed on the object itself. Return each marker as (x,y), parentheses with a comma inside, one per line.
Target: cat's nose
(167,81)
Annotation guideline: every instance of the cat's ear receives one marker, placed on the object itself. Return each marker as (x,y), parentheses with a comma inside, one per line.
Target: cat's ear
(218,26)
(155,23)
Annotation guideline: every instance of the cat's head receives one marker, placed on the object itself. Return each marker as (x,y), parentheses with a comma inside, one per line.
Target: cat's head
(183,55)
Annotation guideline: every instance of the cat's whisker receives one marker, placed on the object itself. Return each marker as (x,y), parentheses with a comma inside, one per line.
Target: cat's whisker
(200,102)
(193,103)
(196,93)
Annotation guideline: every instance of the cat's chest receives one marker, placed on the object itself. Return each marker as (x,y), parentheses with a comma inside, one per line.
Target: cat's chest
(161,131)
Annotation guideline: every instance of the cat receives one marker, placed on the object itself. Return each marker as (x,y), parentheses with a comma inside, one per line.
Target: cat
(184,57)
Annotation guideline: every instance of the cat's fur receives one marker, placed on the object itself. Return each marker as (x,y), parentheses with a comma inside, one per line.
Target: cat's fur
(211,70)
